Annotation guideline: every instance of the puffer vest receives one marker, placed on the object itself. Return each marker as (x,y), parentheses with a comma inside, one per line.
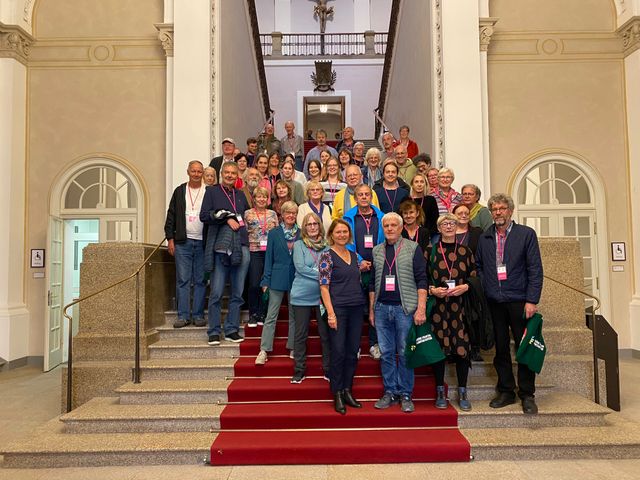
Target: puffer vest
(404,270)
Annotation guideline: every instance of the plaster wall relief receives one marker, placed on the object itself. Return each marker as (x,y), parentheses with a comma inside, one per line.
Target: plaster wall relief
(439,151)
(486,32)
(215,83)
(630,34)
(165,35)
(15,43)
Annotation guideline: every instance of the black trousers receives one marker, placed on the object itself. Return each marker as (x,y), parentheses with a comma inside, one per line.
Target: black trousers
(510,316)
(254,276)
(462,370)
(345,342)
(303,319)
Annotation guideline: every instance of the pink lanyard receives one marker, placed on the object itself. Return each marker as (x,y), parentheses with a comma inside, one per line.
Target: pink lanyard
(395,194)
(395,256)
(232,202)
(502,239)
(193,202)
(444,257)
(367,223)
(263,226)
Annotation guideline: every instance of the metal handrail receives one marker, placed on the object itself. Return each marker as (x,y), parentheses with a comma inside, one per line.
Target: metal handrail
(594,332)
(136,273)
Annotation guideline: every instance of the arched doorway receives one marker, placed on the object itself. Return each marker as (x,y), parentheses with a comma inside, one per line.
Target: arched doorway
(561,196)
(96,200)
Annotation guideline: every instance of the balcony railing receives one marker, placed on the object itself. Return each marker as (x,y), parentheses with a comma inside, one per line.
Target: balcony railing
(278,44)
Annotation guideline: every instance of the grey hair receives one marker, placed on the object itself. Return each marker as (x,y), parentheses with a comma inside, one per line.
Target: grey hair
(474,186)
(500,198)
(194,161)
(289,206)
(392,215)
(358,143)
(444,170)
(446,216)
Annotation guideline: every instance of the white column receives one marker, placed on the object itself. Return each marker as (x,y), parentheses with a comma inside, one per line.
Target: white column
(462,92)
(167,37)
(14,316)
(191,118)
(282,16)
(361,15)
(632,73)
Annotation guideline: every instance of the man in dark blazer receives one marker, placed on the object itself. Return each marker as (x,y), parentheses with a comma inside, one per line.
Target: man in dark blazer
(228,147)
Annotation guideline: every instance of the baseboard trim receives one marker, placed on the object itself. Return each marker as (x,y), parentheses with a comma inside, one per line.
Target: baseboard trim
(629,353)
(33,361)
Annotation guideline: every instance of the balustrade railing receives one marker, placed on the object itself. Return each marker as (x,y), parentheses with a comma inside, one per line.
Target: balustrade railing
(278,44)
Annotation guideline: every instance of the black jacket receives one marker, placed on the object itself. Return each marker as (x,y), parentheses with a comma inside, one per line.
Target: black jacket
(175,226)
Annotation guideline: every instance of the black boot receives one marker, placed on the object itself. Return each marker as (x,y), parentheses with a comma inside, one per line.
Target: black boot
(339,403)
(349,400)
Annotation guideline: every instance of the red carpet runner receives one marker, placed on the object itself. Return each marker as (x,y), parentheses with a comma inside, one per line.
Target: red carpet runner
(270,421)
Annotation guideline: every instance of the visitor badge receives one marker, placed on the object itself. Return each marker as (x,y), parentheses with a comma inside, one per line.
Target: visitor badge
(368,241)
(390,283)
(240,221)
(263,243)
(451,283)
(502,272)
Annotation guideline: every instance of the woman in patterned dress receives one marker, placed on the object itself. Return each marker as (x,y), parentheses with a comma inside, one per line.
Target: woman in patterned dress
(450,265)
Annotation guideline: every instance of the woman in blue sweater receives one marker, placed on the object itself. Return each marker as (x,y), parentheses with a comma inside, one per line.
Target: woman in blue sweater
(305,294)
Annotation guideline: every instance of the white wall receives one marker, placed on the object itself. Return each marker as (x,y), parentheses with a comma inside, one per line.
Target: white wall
(409,98)
(362,84)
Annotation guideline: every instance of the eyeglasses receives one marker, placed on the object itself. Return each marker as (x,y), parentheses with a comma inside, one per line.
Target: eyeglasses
(312,224)
(462,214)
(499,209)
(446,177)
(468,194)
(449,224)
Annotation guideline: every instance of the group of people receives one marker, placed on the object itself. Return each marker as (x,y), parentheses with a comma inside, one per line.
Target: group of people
(349,238)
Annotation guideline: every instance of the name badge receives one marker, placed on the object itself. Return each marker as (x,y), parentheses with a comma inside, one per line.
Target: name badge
(450,283)
(263,243)
(502,272)
(390,283)
(240,220)
(368,241)
(192,216)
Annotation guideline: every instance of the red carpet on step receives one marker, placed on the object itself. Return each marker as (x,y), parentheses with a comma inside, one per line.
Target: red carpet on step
(270,421)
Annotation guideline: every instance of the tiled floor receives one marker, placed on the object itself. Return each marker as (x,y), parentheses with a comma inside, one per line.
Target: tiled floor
(31,397)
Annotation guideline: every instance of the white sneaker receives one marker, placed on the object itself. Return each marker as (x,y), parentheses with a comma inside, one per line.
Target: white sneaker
(261,359)
(291,354)
(375,352)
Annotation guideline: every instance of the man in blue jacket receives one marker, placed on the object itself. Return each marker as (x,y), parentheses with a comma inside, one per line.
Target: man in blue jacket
(510,267)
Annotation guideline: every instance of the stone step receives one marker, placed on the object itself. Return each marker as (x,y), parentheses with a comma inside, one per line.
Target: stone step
(173,392)
(568,340)
(556,409)
(186,348)
(618,438)
(186,369)
(51,447)
(108,415)
(484,388)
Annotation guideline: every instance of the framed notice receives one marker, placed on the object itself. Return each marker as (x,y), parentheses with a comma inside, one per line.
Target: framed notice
(618,251)
(37,258)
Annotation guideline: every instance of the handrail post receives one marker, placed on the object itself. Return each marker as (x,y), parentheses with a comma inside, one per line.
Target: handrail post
(136,372)
(276,44)
(69,365)
(594,337)
(369,42)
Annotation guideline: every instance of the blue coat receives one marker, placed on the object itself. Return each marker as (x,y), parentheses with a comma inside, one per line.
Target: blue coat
(350,218)
(523,261)
(278,262)
(305,291)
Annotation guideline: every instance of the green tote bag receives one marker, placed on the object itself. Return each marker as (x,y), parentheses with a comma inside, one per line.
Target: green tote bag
(532,349)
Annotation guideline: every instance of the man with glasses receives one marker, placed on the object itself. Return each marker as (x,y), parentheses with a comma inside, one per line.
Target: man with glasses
(479,215)
(344,199)
(509,265)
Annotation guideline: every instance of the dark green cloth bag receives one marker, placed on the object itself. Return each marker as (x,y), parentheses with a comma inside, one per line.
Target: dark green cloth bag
(532,349)
(422,346)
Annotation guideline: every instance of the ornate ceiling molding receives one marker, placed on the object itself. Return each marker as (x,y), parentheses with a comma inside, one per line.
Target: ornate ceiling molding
(15,43)
(165,35)
(440,160)
(630,34)
(486,31)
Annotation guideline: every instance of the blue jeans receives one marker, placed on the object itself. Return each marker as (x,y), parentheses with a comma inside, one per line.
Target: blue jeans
(190,270)
(236,275)
(392,325)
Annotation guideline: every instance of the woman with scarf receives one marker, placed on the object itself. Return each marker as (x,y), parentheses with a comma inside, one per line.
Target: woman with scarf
(288,173)
(315,194)
(371,172)
(305,294)
(446,197)
(278,278)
